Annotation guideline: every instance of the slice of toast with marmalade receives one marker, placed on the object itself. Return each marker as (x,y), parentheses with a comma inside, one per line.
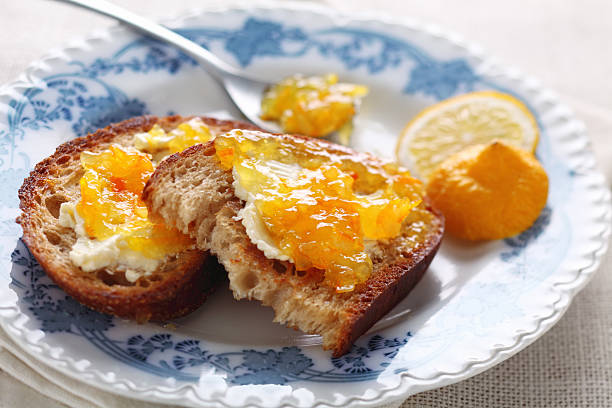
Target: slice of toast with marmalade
(109,267)
(360,245)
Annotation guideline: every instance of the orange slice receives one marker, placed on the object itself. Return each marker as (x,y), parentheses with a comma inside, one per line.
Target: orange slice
(451,125)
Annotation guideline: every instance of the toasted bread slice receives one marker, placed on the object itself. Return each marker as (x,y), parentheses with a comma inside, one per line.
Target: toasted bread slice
(178,286)
(192,192)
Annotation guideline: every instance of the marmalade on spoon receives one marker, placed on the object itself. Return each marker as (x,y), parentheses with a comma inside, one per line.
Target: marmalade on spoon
(313,106)
(319,202)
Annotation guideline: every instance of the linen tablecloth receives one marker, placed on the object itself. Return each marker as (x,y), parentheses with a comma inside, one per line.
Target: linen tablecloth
(564,43)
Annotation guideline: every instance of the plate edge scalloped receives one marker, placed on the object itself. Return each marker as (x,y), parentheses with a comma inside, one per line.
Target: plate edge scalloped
(408,384)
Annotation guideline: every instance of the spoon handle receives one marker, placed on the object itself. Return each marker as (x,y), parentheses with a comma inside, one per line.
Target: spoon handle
(215,66)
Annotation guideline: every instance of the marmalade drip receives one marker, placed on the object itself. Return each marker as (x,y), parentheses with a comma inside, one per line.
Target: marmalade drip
(319,202)
(111,203)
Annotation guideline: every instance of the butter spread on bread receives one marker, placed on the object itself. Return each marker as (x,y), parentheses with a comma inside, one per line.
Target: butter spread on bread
(180,281)
(161,143)
(194,191)
(93,254)
(112,224)
(318,202)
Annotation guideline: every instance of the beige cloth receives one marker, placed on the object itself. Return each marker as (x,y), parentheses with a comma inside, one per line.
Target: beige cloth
(565,44)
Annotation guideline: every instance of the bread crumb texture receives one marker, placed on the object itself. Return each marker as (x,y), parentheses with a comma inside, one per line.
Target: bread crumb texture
(180,283)
(191,191)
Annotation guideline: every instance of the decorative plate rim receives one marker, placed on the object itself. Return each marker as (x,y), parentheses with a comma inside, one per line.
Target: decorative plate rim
(13,323)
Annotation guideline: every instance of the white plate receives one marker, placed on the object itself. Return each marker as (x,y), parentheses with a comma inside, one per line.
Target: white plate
(477,305)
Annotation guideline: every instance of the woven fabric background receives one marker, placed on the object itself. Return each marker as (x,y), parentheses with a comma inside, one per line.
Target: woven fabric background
(565,44)
(569,367)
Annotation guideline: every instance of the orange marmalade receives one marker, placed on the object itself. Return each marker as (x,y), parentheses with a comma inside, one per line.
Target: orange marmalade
(319,202)
(313,106)
(111,203)
(160,143)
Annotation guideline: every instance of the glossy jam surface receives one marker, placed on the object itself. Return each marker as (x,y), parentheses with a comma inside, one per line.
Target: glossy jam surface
(312,106)
(318,201)
(187,134)
(111,203)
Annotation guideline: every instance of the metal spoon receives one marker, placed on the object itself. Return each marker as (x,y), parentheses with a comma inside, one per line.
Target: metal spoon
(244,91)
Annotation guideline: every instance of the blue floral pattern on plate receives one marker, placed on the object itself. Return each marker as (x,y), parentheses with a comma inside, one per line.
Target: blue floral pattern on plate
(256,38)
(85,96)
(165,355)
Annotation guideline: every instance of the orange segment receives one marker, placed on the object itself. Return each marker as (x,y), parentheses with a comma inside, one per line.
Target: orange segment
(490,191)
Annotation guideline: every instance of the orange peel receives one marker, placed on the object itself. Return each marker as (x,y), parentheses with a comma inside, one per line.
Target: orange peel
(489,191)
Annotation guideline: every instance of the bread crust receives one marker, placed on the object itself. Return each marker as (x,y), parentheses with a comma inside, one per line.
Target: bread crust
(398,267)
(180,284)
(392,283)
